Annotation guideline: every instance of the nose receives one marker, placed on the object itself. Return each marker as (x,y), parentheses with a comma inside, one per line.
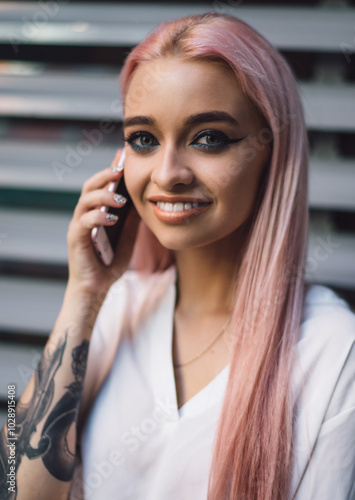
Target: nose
(170,170)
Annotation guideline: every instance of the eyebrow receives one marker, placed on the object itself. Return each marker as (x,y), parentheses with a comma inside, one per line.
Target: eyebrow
(209,116)
(137,120)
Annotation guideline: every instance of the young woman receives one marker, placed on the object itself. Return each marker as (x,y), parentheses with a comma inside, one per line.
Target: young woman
(203,366)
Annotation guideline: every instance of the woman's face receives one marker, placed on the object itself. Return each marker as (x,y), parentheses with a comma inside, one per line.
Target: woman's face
(193,162)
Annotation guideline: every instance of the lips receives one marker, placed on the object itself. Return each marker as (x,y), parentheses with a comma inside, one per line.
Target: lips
(177,210)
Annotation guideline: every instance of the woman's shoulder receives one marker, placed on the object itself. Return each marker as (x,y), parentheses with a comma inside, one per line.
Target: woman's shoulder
(130,300)
(143,282)
(324,393)
(325,365)
(141,291)
(326,347)
(327,316)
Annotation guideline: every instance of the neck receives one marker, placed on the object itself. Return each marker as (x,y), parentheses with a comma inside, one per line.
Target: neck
(205,278)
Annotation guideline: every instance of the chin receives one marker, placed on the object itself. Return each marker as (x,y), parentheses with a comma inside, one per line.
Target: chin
(180,242)
(175,243)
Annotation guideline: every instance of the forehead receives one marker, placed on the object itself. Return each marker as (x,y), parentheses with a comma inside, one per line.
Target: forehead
(191,86)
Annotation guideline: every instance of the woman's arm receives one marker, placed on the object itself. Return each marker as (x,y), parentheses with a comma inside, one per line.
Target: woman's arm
(37,458)
(40,454)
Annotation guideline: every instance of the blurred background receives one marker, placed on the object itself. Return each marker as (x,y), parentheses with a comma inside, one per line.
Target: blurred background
(60,122)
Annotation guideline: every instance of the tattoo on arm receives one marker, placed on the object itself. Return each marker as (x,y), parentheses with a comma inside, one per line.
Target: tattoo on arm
(52,446)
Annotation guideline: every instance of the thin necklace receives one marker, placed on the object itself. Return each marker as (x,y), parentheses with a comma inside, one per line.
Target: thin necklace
(178,365)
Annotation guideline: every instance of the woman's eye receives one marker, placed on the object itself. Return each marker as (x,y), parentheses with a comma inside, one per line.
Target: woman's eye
(141,141)
(211,140)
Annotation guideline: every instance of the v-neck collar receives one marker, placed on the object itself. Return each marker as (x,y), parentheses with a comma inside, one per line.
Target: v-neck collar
(162,370)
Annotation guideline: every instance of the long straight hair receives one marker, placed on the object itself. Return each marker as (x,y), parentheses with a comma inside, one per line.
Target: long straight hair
(252,455)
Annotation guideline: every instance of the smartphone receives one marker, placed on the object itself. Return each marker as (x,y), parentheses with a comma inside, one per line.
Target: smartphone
(106,238)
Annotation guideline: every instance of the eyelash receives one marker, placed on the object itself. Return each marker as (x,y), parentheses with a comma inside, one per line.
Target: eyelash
(224,141)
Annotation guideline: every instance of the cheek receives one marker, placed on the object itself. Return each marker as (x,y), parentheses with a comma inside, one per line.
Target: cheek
(240,182)
(135,183)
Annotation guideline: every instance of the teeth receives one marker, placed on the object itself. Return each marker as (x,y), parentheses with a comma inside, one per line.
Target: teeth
(177,207)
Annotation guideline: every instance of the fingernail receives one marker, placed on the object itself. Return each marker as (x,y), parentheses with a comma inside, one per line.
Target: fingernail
(120,199)
(117,168)
(111,218)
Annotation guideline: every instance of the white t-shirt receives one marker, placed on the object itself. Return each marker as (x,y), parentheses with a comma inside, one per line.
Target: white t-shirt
(137,444)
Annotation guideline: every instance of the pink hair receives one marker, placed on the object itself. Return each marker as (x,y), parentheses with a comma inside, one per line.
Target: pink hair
(252,458)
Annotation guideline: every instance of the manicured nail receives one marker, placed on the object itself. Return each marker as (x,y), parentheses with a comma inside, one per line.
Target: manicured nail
(120,199)
(117,168)
(111,218)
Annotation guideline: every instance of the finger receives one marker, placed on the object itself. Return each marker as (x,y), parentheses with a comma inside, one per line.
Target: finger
(81,229)
(96,218)
(100,180)
(117,158)
(98,198)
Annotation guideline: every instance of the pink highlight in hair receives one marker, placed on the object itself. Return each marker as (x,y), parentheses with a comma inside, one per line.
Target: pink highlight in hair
(252,458)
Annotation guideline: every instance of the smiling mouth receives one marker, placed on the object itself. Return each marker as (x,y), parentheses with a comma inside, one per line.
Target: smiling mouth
(179,206)
(179,212)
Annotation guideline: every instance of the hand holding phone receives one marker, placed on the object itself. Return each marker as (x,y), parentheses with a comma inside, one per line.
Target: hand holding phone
(106,238)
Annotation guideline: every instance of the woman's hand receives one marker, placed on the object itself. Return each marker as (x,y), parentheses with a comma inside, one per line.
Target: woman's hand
(86,272)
